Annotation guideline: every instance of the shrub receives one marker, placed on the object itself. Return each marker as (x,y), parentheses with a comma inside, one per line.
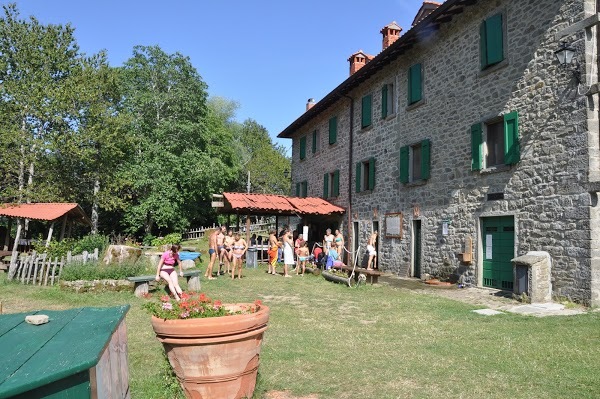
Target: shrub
(89,243)
(147,240)
(56,249)
(100,271)
(169,239)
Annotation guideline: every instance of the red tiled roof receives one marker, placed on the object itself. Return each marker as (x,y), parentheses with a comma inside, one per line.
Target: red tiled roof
(43,211)
(279,204)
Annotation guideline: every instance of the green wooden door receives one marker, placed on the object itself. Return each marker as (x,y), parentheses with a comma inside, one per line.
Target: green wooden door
(498,250)
(417,249)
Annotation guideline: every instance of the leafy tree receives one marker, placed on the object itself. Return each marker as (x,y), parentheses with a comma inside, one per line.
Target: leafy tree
(180,158)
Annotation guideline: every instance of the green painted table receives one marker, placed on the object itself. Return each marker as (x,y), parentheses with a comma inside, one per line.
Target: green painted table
(79,353)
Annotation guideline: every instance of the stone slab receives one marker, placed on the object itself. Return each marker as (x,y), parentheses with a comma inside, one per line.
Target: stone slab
(487,312)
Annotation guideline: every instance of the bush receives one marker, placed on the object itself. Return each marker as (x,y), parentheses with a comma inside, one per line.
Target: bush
(169,239)
(89,243)
(100,271)
(56,249)
(147,240)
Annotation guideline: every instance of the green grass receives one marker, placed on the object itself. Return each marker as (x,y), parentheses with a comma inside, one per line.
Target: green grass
(369,342)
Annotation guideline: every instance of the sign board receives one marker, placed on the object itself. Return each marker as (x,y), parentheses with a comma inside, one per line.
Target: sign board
(217,204)
(393,225)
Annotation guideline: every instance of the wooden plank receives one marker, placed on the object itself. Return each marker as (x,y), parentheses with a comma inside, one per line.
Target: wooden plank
(76,348)
(62,262)
(10,321)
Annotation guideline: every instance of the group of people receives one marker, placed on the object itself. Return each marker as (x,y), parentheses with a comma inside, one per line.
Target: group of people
(229,248)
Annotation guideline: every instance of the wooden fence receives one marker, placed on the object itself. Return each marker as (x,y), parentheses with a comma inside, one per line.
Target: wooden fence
(40,269)
(260,228)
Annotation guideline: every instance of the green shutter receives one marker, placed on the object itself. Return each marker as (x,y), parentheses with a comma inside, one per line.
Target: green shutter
(404,164)
(512,151)
(326,185)
(314,141)
(304,190)
(425,159)
(384,98)
(483,46)
(336,183)
(476,137)
(357,176)
(333,130)
(414,84)
(302,147)
(494,39)
(297,189)
(366,110)
(371,173)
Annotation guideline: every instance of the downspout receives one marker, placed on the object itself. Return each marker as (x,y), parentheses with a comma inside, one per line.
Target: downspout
(350,228)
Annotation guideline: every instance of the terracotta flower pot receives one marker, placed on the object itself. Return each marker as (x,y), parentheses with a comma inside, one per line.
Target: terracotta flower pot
(215,357)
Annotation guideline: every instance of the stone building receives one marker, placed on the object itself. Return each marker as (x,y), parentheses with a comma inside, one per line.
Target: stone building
(466,143)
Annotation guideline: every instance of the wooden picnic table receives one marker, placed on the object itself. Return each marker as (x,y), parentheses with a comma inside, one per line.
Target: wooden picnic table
(79,353)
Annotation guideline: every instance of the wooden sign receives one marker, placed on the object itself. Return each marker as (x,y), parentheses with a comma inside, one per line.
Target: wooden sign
(393,225)
(217,204)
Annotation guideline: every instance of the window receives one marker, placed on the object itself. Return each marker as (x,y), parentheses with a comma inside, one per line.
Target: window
(315,142)
(365,175)
(333,130)
(302,189)
(366,111)
(415,85)
(415,161)
(331,184)
(497,144)
(303,147)
(491,41)
(387,100)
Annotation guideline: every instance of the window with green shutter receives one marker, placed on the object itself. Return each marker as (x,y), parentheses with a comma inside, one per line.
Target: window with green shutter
(387,100)
(326,185)
(491,41)
(315,142)
(415,84)
(425,159)
(476,140)
(366,111)
(404,164)
(499,141)
(333,130)
(384,98)
(297,189)
(357,176)
(511,138)
(371,166)
(336,183)
(304,189)
(303,147)
(415,162)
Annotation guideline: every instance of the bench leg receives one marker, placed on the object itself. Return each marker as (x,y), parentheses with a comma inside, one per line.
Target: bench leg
(141,288)
(193,283)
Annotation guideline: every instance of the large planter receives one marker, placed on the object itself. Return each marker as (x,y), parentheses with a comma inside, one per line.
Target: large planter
(215,357)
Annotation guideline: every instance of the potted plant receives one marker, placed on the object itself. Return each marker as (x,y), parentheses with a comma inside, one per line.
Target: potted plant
(213,348)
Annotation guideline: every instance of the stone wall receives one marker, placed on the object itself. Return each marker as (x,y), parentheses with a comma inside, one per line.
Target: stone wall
(546,191)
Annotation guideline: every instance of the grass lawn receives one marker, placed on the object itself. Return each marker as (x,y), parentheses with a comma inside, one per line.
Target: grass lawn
(371,342)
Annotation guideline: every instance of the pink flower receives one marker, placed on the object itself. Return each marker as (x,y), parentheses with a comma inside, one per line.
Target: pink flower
(165,298)
(184,315)
(167,306)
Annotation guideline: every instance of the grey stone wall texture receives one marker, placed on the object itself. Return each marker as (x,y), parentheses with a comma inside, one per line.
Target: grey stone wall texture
(547,191)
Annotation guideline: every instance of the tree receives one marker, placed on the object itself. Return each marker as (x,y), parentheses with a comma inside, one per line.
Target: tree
(179,159)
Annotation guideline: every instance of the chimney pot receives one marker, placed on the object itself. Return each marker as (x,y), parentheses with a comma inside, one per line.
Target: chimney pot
(310,103)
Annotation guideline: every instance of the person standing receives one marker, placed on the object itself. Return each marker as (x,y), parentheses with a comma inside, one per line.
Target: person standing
(339,243)
(297,245)
(288,252)
(238,249)
(166,270)
(273,252)
(226,257)
(213,250)
(371,245)
(327,241)
(303,256)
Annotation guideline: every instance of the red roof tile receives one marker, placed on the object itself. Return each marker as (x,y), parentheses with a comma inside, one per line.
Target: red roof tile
(279,204)
(42,211)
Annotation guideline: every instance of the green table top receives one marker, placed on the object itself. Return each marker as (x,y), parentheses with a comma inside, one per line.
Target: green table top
(72,341)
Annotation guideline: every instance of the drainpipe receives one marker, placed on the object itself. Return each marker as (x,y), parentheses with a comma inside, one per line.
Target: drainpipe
(350,227)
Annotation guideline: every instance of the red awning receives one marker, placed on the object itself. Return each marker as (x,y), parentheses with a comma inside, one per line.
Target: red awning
(45,211)
(278,204)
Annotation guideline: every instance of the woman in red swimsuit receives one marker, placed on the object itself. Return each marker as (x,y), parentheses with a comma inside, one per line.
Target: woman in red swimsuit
(166,270)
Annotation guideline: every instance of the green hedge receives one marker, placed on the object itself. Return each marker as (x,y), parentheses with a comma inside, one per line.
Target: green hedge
(100,271)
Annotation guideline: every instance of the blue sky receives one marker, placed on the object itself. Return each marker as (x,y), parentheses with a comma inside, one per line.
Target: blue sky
(270,56)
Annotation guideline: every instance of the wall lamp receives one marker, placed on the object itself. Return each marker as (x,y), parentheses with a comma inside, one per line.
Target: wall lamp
(565,55)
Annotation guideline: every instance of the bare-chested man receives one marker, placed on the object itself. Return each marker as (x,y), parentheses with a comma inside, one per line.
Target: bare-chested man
(213,250)
(371,245)
(272,251)
(226,254)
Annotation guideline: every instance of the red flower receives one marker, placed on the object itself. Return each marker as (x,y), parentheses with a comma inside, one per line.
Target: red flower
(258,303)
(165,298)
(203,298)
(184,296)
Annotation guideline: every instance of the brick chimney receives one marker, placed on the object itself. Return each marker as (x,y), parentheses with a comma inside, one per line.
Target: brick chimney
(359,60)
(310,103)
(391,33)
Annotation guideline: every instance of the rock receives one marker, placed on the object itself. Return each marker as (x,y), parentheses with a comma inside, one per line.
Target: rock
(37,319)
(81,286)
(121,253)
(188,264)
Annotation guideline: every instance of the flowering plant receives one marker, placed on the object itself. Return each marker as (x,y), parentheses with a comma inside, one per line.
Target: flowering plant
(195,306)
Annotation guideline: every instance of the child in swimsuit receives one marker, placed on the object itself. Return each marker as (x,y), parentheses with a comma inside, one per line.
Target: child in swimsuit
(166,270)
(303,256)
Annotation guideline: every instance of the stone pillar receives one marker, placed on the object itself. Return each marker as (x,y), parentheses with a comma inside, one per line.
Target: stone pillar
(538,274)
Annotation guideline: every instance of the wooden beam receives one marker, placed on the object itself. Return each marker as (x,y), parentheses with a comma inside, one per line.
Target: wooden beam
(578,26)
(13,258)
(50,234)
(7,238)
(63,228)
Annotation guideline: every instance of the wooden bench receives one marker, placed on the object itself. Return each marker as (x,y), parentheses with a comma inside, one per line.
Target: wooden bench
(141,283)
(372,275)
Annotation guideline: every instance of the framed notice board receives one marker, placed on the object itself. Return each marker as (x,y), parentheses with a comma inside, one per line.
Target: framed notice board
(393,225)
